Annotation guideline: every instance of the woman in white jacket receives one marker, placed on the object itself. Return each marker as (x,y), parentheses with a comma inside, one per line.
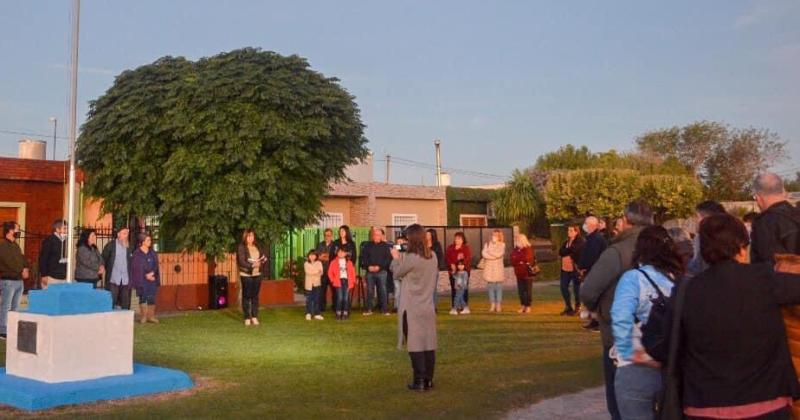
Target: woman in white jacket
(493,270)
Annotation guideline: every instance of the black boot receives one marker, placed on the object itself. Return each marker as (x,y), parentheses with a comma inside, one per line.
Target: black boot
(418,385)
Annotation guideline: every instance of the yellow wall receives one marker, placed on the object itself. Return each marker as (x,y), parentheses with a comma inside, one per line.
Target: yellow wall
(429,212)
(337,205)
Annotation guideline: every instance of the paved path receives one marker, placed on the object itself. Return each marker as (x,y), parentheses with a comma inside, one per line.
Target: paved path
(589,404)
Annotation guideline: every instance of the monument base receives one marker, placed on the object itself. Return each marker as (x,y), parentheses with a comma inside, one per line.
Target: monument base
(28,394)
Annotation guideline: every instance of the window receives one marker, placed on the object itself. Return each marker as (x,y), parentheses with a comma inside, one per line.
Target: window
(473,220)
(330,220)
(403,219)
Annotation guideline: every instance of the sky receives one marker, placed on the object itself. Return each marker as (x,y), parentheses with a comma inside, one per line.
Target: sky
(499,83)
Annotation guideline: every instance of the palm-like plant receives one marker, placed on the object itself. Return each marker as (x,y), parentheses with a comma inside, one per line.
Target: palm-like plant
(519,202)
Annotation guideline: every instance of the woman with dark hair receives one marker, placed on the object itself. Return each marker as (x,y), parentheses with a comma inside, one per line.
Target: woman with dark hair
(458,251)
(418,271)
(146,277)
(734,357)
(346,242)
(570,254)
(638,377)
(88,261)
(252,261)
(432,242)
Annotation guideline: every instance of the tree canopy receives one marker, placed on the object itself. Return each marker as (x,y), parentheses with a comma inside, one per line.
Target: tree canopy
(246,138)
(726,159)
(605,192)
(570,157)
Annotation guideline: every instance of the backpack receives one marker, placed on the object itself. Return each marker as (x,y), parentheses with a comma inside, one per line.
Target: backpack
(655,334)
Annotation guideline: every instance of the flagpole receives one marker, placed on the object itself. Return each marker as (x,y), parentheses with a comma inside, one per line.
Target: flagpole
(73,130)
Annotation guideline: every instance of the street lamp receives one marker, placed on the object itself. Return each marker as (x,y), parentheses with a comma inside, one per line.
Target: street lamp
(54,120)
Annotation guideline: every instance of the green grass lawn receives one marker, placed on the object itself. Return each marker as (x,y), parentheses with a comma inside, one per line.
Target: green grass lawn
(288,367)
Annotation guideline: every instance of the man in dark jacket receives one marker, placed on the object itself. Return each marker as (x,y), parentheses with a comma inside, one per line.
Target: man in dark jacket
(597,290)
(13,270)
(376,257)
(777,229)
(117,258)
(594,246)
(53,255)
(326,252)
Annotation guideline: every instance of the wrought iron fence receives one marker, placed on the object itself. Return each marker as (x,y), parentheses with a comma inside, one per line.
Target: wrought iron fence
(476,236)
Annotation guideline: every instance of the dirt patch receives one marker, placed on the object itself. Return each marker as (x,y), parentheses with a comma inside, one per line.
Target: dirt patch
(202,385)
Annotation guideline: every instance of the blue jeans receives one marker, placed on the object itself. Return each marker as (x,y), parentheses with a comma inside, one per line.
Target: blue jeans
(568,277)
(343,298)
(9,300)
(636,388)
(495,292)
(312,300)
(377,280)
(396,293)
(459,302)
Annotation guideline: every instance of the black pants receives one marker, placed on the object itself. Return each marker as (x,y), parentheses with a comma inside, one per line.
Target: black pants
(422,364)
(453,293)
(120,295)
(609,372)
(323,294)
(251,287)
(524,287)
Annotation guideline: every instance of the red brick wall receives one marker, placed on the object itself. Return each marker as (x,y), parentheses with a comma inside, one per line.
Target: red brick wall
(44,203)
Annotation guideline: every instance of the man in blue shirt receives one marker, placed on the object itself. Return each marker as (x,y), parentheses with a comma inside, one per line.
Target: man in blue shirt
(117,257)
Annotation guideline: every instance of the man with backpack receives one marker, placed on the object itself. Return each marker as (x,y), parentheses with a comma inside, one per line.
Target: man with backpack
(777,229)
(597,290)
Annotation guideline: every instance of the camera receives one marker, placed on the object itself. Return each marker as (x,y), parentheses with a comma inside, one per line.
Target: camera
(401,247)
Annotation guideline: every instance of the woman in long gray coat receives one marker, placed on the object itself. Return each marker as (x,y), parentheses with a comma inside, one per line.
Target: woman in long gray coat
(418,270)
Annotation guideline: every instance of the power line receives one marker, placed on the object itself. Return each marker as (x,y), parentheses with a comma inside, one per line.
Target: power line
(26,133)
(424,165)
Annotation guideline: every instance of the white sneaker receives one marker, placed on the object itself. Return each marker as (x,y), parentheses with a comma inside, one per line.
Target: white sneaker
(453,311)
(247,322)
(465,311)
(255,321)
(308,317)
(318,317)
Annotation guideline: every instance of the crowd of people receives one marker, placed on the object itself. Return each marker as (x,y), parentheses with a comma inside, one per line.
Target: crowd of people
(691,326)
(124,266)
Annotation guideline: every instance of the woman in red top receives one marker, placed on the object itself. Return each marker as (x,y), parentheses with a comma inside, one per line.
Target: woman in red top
(522,258)
(458,250)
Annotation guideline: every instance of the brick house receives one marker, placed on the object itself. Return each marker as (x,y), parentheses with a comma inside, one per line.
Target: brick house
(378,204)
(33,193)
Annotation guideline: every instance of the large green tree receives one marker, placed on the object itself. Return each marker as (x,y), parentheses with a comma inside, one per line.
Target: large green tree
(246,138)
(726,159)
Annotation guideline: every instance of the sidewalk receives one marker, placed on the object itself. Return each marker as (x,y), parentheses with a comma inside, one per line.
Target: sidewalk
(589,404)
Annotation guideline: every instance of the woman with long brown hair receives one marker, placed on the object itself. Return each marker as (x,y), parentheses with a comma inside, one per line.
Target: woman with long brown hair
(418,271)
(252,261)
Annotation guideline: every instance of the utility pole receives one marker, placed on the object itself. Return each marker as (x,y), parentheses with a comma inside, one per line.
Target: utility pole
(54,120)
(438,145)
(73,105)
(388,166)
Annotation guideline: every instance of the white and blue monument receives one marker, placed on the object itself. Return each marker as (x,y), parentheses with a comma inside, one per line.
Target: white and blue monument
(72,347)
